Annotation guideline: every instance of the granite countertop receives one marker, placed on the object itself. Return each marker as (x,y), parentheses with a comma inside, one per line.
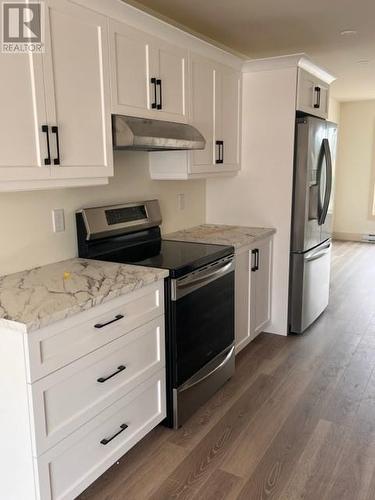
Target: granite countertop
(237,236)
(36,298)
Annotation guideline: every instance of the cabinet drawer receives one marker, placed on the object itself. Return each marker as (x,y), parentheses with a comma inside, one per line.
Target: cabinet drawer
(69,467)
(73,395)
(61,343)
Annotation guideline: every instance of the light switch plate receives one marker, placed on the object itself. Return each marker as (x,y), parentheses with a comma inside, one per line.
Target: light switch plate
(58,220)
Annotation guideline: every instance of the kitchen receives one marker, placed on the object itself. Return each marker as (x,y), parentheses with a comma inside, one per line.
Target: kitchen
(186,252)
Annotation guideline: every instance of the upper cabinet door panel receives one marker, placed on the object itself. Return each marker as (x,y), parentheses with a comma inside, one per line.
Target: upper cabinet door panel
(134,61)
(148,75)
(312,95)
(172,91)
(23,144)
(230,89)
(202,111)
(78,89)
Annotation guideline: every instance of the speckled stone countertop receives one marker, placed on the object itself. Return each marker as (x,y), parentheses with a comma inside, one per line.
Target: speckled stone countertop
(237,236)
(36,298)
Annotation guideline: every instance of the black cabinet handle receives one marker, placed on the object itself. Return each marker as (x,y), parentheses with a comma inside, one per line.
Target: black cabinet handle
(108,440)
(120,369)
(255,253)
(47,161)
(55,130)
(153,82)
(116,318)
(253,261)
(318,91)
(220,150)
(160,103)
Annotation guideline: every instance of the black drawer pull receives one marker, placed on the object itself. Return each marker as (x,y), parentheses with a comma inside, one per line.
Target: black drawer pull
(120,369)
(47,161)
(116,318)
(108,440)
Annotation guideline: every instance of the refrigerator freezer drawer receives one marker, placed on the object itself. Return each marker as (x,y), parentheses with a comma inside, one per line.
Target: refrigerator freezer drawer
(309,292)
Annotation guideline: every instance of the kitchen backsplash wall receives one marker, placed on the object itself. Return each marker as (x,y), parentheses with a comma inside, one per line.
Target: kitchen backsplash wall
(27,238)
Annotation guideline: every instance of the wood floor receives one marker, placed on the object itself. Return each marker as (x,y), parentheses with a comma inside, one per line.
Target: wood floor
(297,421)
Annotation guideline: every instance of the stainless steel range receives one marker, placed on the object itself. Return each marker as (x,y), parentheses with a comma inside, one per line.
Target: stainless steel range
(199,296)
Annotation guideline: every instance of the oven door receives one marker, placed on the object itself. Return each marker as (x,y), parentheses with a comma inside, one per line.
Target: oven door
(202,317)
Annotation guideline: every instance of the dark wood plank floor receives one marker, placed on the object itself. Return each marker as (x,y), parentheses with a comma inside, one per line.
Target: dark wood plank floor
(297,421)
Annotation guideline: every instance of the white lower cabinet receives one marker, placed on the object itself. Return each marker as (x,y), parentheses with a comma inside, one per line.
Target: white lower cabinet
(71,412)
(253,291)
(68,468)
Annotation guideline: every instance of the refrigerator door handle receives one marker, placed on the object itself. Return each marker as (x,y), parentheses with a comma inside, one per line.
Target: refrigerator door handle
(317,255)
(328,187)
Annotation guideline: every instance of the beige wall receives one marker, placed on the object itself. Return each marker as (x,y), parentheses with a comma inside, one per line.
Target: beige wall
(355,170)
(27,239)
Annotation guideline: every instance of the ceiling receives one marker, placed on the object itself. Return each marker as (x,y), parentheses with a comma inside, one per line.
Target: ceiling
(263,28)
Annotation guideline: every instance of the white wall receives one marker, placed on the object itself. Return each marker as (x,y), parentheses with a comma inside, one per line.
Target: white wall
(355,170)
(27,239)
(261,194)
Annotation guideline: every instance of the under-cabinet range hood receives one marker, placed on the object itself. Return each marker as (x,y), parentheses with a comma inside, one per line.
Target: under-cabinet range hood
(154,135)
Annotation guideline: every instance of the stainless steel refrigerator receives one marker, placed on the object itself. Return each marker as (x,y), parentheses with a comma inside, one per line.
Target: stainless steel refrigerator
(312,213)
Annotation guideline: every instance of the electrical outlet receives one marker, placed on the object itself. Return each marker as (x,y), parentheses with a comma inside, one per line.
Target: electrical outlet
(181,201)
(58,220)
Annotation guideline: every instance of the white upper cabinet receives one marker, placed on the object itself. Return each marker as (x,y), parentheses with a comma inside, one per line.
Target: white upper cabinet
(77,91)
(227,117)
(148,75)
(203,111)
(55,128)
(215,104)
(23,144)
(312,94)
(215,112)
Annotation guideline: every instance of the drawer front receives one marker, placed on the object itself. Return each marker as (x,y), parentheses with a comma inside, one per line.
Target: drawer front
(58,345)
(69,467)
(73,395)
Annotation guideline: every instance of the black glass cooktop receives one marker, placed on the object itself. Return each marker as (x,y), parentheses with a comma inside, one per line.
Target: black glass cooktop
(179,257)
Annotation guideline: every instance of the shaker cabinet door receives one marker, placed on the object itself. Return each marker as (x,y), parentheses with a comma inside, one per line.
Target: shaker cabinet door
(134,62)
(23,144)
(76,65)
(261,265)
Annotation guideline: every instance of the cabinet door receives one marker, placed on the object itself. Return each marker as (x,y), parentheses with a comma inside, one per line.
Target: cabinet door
(227,119)
(76,64)
(172,83)
(261,265)
(243,278)
(23,146)
(134,61)
(202,112)
(312,95)
(230,88)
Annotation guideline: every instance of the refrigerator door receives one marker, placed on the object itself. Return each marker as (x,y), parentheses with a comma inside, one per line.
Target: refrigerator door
(312,184)
(329,164)
(309,291)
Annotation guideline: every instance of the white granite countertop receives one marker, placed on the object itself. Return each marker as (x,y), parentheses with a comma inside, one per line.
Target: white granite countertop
(33,299)
(218,234)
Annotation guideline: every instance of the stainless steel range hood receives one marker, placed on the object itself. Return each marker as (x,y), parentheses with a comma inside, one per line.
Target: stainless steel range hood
(154,135)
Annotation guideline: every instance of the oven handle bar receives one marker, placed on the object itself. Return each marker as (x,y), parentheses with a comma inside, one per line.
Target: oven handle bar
(186,285)
(198,377)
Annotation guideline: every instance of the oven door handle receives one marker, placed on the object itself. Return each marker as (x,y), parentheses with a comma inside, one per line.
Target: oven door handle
(197,380)
(181,287)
